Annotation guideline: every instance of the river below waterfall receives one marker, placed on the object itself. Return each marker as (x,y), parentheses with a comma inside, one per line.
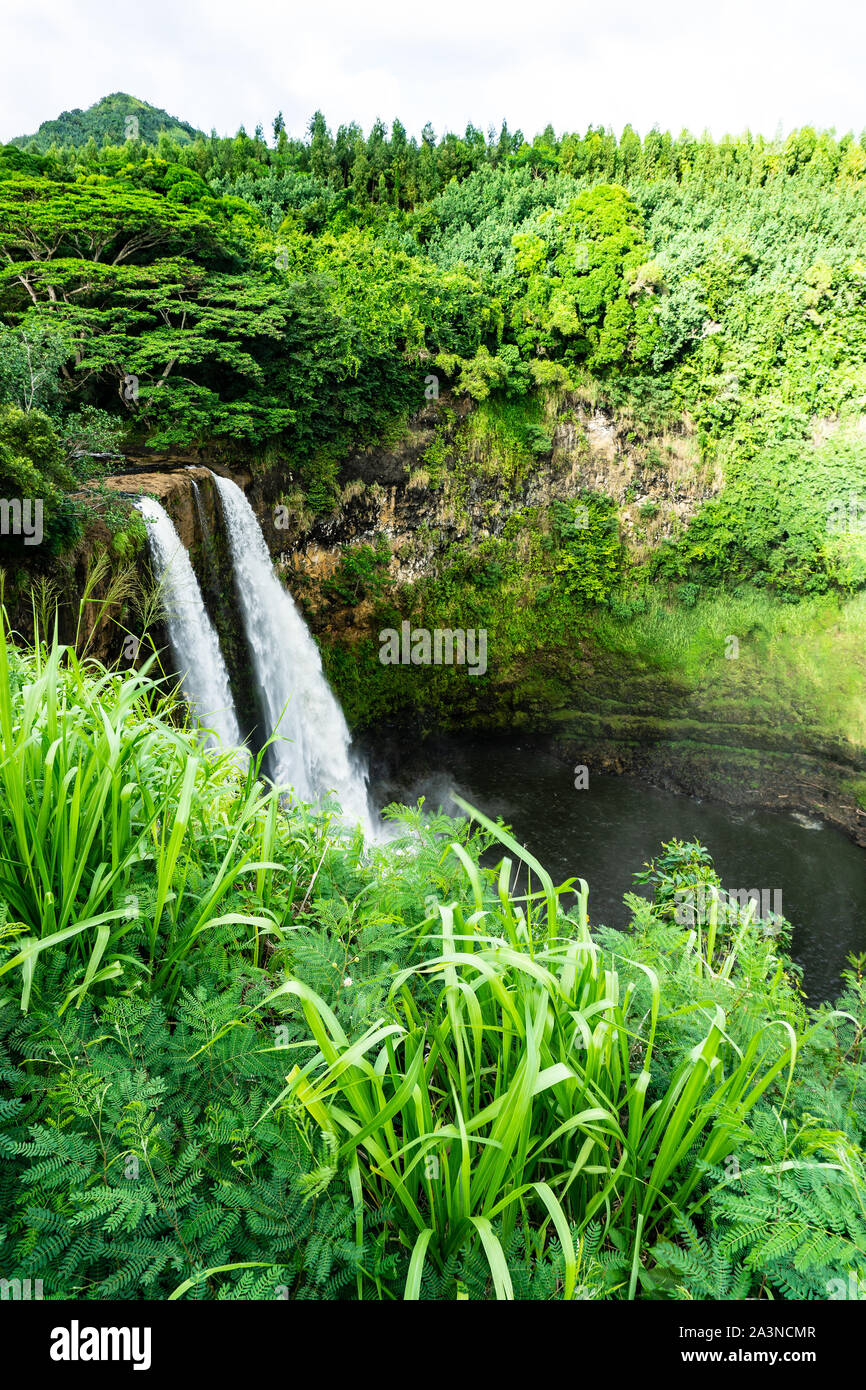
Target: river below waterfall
(606,832)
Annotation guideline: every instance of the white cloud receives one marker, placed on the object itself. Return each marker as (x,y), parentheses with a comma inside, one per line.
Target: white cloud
(215,63)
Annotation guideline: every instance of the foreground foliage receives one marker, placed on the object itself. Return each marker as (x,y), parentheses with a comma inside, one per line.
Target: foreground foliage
(289,1065)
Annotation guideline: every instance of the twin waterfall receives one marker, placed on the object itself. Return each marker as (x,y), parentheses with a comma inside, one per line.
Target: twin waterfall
(310,752)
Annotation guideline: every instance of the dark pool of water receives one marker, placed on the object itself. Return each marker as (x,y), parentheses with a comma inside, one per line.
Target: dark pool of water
(607,832)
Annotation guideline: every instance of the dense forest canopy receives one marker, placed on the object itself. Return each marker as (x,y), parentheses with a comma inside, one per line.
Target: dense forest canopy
(299,292)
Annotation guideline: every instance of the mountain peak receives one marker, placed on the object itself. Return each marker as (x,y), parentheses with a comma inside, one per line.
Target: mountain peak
(109,119)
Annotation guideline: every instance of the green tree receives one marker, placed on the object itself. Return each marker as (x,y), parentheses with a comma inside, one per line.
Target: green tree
(31,359)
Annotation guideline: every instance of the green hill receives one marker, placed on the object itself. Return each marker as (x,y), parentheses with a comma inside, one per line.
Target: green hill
(108,119)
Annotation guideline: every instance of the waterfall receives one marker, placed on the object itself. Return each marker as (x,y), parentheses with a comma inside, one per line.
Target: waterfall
(193,641)
(312,750)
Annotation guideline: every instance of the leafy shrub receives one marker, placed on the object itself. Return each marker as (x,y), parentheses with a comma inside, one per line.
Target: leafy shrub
(588,556)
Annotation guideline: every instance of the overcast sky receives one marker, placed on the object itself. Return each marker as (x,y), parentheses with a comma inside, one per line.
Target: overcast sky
(701,64)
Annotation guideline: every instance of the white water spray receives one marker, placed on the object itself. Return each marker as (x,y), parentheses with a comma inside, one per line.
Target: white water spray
(312,751)
(191,635)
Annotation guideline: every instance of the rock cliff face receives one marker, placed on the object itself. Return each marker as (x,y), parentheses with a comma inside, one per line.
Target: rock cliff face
(416,498)
(390,491)
(174,489)
(394,493)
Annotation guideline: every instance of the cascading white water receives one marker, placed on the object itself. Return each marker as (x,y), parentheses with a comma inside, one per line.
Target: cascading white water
(191,635)
(312,751)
